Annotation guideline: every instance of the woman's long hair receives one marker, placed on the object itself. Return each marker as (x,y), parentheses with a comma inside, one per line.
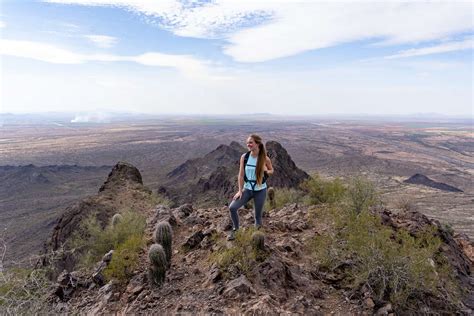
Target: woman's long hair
(262,156)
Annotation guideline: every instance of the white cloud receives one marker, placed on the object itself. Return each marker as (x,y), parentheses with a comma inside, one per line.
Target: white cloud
(2,24)
(264,30)
(186,64)
(102,41)
(437,49)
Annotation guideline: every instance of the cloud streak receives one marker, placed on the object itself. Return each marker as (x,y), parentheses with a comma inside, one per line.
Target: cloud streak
(437,49)
(102,41)
(262,30)
(188,65)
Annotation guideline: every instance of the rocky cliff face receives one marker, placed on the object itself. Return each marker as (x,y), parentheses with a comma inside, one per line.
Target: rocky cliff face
(212,179)
(122,189)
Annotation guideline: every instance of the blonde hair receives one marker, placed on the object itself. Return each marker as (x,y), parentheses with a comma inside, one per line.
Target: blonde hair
(262,157)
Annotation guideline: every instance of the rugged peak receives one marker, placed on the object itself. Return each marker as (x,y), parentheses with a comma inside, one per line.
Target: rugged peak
(237,146)
(213,178)
(121,174)
(287,174)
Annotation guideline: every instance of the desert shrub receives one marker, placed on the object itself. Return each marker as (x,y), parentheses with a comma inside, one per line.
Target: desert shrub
(92,241)
(157,199)
(361,194)
(320,190)
(405,203)
(125,259)
(24,291)
(284,196)
(393,265)
(242,254)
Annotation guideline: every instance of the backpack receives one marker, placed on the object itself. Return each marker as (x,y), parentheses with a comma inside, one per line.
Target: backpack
(253,182)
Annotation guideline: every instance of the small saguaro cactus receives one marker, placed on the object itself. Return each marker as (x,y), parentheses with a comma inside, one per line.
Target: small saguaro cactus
(258,241)
(117,218)
(164,237)
(158,264)
(271,197)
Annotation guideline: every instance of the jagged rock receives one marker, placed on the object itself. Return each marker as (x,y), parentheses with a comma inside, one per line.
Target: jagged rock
(121,174)
(238,288)
(164,213)
(194,240)
(66,285)
(123,180)
(98,276)
(385,310)
(263,305)
(287,174)
(215,274)
(184,211)
(369,303)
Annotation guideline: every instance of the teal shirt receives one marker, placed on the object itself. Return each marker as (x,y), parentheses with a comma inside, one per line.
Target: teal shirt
(251,175)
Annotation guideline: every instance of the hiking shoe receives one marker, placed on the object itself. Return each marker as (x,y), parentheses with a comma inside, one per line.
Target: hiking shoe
(231,236)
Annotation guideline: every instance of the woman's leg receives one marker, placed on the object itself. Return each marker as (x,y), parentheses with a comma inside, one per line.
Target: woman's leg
(259,201)
(235,205)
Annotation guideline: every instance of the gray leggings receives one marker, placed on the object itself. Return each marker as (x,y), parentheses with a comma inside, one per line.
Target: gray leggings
(247,195)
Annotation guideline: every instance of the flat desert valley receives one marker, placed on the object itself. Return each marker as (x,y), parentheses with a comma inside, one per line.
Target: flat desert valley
(47,164)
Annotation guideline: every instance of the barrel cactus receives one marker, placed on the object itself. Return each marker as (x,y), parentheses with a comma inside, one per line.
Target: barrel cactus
(271,197)
(258,241)
(158,264)
(164,237)
(117,218)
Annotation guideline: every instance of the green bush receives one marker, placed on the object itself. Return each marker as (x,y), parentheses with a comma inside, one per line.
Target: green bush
(393,265)
(319,190)
(361,194)
(24,291)
(284,196)
(92,241)
(125,259)
(242,254)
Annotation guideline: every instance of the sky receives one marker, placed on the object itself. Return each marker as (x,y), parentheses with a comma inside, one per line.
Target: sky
(237,57)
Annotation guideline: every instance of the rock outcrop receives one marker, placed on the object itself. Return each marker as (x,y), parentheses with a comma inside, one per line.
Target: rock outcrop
(212,179)
(122,189)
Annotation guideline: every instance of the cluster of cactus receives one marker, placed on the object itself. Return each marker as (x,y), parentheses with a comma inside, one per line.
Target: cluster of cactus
(258,241)
(158,264)
(164,237)
(117,218)
(160,252)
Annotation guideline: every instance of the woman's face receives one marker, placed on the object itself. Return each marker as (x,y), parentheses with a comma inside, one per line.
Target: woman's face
(251,144)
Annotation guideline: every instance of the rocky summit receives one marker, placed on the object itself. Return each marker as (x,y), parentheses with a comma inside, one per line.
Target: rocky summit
(182,263)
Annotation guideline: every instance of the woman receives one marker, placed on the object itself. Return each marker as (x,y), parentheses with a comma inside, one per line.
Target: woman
(255,167)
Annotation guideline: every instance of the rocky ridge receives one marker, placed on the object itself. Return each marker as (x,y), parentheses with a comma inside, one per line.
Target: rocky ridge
(212,179)
(286,281)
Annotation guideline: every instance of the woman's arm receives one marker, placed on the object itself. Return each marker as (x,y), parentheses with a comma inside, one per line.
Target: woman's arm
(268,166)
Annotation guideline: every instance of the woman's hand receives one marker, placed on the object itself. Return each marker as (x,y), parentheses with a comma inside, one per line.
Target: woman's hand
(238,195)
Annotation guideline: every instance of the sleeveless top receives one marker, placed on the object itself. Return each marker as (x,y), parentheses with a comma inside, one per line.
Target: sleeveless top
(251,175)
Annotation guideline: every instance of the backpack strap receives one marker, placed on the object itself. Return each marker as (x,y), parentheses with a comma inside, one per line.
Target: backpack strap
(253,183)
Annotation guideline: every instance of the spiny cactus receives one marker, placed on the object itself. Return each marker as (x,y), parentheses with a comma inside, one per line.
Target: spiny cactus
(271,197)
(164,237)
(258,241)
(117,218)
(158,264)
